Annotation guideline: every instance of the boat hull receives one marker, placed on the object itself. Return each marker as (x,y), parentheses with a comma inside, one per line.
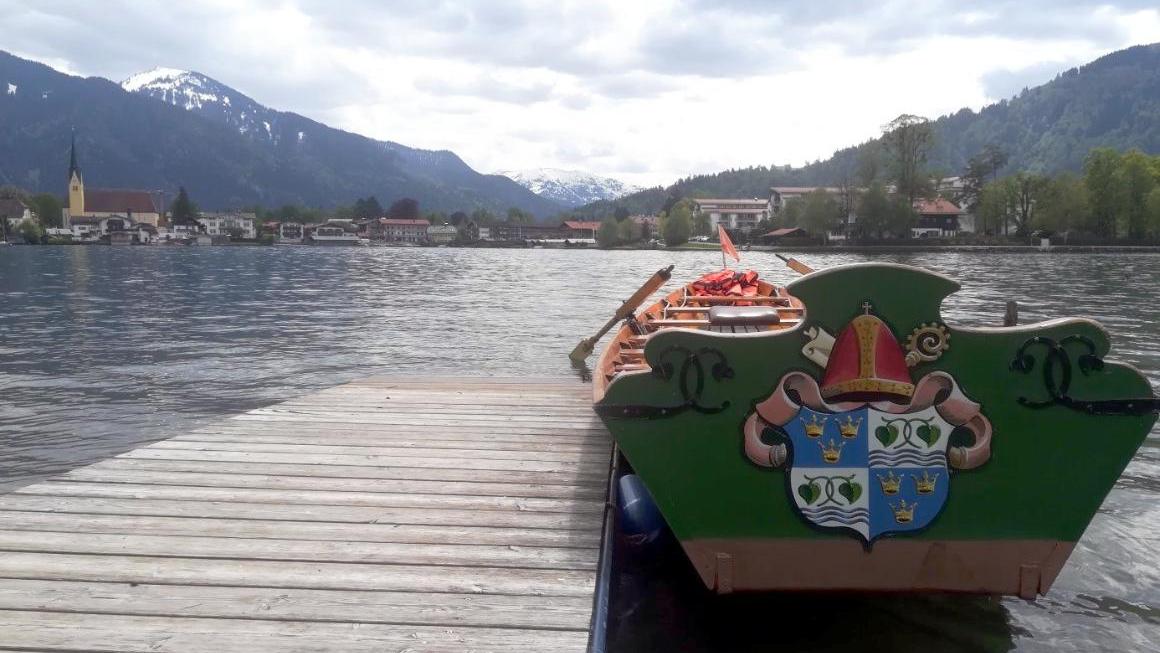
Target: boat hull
(1006,465)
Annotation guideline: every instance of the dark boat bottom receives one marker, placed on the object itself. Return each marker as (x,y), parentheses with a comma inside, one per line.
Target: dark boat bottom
(659,603)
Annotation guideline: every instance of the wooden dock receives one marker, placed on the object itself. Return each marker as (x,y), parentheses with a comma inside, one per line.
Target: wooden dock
(383,515)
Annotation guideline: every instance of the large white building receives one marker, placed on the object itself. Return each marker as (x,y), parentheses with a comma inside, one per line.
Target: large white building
(733,213)
(229,224)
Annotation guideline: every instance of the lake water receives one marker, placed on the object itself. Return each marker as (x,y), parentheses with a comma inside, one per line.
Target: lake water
(103,349)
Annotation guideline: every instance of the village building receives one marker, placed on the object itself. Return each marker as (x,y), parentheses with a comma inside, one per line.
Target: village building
(441,234)
(239,226)
(580,230)
(518,231)
(780,195)
(937,218)
(734,214)
(14,212)
(136,206)
(400,230)
(290,232)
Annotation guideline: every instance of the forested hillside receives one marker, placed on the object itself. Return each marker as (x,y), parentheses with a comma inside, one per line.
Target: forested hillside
(1113,101)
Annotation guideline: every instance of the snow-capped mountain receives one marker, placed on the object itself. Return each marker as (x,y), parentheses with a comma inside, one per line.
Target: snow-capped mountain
(569,187)
(205,96)
(323,156)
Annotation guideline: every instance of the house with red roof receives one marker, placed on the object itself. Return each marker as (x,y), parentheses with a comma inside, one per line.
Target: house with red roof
(937,218)
(400,230)
(580,229)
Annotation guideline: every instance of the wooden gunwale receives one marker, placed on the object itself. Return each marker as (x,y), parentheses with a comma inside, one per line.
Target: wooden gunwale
(680,309)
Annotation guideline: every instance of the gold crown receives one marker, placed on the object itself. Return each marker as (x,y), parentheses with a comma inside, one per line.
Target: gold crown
(849,429)
(830,453)
(891,484)
(903,513)
(814,427)
(925,485)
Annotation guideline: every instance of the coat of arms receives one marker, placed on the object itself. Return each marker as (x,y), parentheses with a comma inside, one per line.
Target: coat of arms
(869,450)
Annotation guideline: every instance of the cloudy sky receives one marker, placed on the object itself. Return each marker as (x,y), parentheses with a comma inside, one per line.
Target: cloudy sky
(644,91)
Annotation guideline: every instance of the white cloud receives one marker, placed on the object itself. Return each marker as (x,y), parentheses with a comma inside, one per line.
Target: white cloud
(646,91)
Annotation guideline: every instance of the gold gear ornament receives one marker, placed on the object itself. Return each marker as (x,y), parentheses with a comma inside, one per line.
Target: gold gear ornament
(927,343)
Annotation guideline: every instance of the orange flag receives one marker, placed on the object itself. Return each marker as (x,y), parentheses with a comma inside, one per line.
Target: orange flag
(727,245)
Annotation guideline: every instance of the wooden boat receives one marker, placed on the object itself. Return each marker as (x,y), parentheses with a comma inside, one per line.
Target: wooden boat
(845,437)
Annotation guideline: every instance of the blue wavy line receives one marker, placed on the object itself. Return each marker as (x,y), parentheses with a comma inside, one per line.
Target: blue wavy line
(843,522)
(829,511)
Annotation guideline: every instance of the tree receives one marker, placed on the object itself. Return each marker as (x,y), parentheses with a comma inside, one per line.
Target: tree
(874,209)
(519,216)
(404,209)
(47,208)
(483,217)
(791,213)
(1062,204)
(869,163)
(1137,178)
(820,212)
(981,168)
(608,235)
(1152,209)
(458,218)
(702,225)
(31,231)
(628,231)
(369,209)
(1104,188)
(1025,190)
(183,211)
(677,225)
(994,206)
(620,213)
(908,139)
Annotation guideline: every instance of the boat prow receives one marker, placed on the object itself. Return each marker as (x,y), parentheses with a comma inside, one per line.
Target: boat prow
(859,442)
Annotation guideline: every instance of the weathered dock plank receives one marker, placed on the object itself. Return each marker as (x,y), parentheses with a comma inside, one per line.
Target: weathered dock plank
(431,514)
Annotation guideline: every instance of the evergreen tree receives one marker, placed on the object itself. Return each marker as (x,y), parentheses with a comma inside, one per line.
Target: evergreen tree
(183,211)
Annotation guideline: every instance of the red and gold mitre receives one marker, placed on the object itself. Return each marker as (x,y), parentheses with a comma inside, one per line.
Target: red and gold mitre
(867,364)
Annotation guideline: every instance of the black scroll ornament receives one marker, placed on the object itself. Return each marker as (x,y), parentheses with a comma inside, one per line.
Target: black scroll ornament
(1057,375)
(689,370)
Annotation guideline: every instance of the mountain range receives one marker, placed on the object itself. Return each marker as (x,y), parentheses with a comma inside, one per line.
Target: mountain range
(228,150)
(1113,101)
(569,187)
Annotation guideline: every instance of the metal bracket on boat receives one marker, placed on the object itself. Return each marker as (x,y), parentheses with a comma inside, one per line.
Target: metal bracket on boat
(690,380)
(1057,356)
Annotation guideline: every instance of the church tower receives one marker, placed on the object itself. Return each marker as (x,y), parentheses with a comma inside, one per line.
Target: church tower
(76,185)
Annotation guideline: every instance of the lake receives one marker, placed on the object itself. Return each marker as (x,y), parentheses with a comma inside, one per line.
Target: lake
(103,349)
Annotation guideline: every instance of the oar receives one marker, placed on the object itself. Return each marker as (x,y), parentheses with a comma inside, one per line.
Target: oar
(584,349)
(795,265)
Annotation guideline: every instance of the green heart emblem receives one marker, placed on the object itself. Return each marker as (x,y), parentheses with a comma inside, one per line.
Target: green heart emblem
(886,434)
(809,492)
(850,490)
(929,433)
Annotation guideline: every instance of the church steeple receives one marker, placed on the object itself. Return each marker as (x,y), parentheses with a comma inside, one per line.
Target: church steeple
(73,168)
(76,185)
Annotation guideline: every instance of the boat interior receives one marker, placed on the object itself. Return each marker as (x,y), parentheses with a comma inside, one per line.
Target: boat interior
(770,309)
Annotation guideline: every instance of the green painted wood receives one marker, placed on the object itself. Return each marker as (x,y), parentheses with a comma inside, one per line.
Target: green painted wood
(1048,472)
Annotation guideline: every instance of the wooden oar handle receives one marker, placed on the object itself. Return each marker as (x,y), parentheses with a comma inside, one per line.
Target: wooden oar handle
(795,265)
(654,282)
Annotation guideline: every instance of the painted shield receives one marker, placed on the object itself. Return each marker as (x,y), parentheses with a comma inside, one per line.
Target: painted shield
(869,471)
